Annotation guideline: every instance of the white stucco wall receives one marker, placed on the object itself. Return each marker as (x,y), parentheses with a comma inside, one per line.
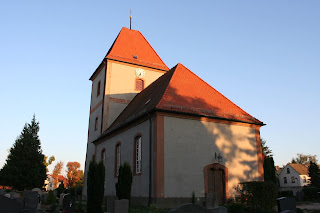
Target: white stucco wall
(293,173)
(140,183)
(190,145)
(95,111)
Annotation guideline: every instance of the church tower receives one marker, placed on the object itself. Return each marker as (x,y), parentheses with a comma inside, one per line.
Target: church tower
(130,65)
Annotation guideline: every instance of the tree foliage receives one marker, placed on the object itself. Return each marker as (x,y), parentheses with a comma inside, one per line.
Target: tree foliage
(314,174)
(269,170)
(73,173)
(95,186)
(123,186)
(304,159)
(265,149)
(24,168)
(56,172)
(48,162)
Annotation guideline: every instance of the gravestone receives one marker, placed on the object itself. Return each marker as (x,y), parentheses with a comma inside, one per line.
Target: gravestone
(2,192)
(14,195)
(8,205)
(286,203)
(68,203)
(61,198)
(31,201)
(121,206)
(39,196)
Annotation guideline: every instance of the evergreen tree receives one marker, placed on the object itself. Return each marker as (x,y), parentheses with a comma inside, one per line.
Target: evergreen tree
(95,186)
(269,170)
(24,168)
(314,174)
(123,186)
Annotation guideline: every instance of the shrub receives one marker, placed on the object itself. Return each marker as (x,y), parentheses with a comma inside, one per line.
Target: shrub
(310,193)
(288,193)
(235,208)
(258,196)
(60,189)
(51,198)
(193,199)
(123,186)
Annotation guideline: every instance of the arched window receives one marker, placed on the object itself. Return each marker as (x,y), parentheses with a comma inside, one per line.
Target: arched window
(138,154)
(139,86)
(103,156)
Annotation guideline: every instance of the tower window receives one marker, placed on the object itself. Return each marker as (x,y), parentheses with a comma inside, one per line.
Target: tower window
(288,171)
(98,88)
(139,85)
(285,180)
(96,124)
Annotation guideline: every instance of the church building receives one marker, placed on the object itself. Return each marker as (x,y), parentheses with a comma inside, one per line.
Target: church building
(179,134)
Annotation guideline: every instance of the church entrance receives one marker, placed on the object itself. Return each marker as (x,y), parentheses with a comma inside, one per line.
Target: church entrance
(215,184)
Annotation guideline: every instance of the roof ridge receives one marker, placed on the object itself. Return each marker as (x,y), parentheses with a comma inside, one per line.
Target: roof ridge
(152,48)
(219,93)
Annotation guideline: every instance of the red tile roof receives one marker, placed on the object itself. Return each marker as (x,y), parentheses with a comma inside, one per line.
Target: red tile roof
(132,47)
(181,91)
(300,168)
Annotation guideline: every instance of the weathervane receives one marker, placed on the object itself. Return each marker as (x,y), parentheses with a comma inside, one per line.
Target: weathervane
(130,19)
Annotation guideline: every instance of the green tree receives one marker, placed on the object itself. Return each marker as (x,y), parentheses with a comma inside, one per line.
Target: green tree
(265,149)
(95,186)
(24,168)
(48,162)
(314,174)
(304,159)
(123,186)
(269,170)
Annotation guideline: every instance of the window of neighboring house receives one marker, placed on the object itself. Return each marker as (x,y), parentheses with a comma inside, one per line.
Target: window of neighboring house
(285,180)
(118,159)
(139,85)
(138,155)
(103,156)
(304,179)
(96,124)
(98,88)
(293,180)
(288,171)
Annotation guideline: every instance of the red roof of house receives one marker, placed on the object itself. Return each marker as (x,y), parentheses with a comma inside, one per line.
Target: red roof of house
(132,47)
(181,91)
(300,168)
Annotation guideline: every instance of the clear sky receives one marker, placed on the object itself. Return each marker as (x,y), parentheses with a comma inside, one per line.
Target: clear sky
(263,55)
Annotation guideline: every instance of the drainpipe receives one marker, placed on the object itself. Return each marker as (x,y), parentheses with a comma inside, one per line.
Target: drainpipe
(150,160)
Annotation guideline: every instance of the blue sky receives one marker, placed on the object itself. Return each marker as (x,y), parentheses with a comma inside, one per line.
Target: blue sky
(263,55)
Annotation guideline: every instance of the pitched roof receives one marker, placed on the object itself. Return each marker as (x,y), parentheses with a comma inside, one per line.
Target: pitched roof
(300,168)
(131,46)
(181,91)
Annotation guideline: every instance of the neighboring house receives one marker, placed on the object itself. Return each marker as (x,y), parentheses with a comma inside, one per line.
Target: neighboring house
(178,133)
(294,177)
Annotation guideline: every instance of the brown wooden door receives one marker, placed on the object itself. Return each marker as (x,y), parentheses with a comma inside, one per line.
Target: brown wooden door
(216,184)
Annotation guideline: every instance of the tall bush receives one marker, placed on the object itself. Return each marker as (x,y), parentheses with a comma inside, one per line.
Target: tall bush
(269,170)
(95,187)
(258,196)
(123,186)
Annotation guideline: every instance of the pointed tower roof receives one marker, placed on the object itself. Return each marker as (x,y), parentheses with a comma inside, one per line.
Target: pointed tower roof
(182,91)
(131,47)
